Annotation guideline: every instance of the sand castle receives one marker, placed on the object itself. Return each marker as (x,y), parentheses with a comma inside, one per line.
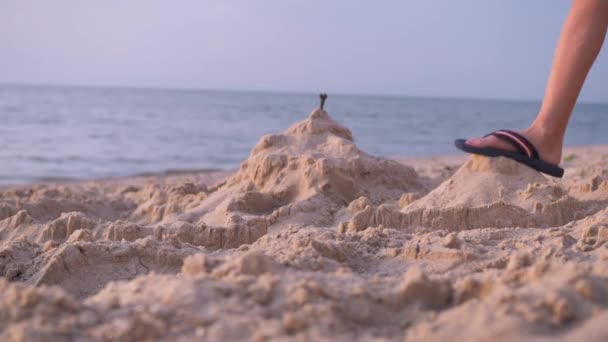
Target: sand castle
(311,238)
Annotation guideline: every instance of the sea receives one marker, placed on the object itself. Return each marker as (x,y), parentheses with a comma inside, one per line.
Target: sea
(76,133)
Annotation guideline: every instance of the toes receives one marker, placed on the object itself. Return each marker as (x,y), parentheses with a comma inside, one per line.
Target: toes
(474,142)
(489,142)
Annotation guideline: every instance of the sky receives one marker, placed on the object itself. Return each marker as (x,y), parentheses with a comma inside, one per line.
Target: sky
(467,48)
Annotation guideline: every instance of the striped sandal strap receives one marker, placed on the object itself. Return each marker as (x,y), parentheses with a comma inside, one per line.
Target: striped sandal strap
(523,145)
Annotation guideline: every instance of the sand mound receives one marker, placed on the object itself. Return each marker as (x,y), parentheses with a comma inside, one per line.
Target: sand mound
(302,176)
(311,239)
(484,192)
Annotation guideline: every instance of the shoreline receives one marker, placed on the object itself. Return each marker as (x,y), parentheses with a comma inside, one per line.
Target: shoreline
(436,162)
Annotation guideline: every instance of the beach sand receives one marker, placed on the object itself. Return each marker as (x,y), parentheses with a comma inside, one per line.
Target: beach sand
(313,239)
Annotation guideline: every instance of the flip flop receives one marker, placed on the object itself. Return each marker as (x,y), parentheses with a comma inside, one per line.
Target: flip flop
(526,152)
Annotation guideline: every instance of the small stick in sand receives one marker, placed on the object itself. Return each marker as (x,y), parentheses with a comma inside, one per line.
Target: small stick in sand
(323,98)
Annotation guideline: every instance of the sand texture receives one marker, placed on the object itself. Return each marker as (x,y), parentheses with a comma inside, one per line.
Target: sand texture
(312,239)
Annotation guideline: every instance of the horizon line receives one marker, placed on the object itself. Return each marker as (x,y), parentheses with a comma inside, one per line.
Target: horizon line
(271,91)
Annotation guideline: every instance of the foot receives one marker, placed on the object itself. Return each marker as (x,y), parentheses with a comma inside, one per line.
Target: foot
(549,148)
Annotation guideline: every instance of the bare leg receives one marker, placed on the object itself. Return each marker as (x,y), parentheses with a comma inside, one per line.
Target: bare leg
(579,44)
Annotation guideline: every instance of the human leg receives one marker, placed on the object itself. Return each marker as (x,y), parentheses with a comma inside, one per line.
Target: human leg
(579,44)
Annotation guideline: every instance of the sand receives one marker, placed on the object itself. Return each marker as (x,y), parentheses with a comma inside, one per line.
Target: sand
(313,239)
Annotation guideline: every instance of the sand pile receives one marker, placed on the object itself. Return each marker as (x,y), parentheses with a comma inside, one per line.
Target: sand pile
(301,176)
(310,239)
(485,192)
